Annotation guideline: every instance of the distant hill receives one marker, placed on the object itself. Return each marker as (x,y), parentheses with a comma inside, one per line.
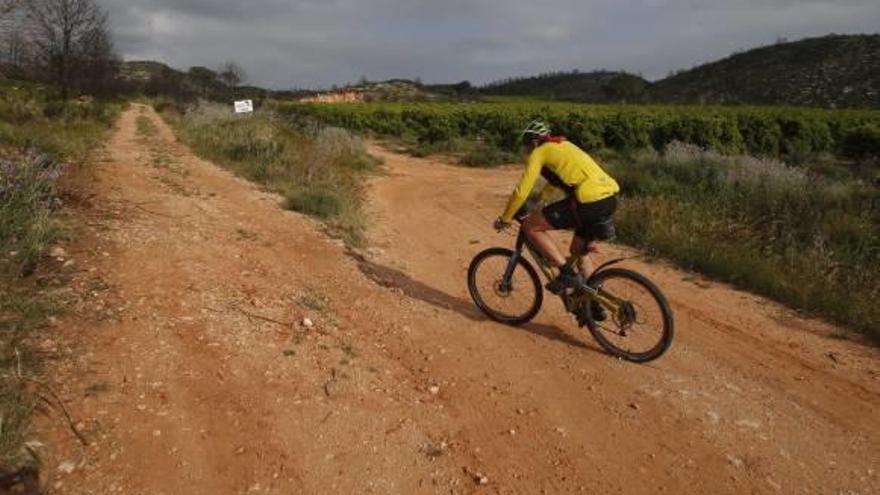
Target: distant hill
(158,79)
(601,86)
(394,90)
(831,71)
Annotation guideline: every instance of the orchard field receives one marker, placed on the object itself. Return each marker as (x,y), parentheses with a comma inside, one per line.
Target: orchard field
(793,133)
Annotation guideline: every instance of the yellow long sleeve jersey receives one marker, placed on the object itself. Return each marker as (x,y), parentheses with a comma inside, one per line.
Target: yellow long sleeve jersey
(566,167)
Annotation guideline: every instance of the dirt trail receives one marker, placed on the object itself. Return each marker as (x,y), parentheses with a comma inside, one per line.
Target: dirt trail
(187,366)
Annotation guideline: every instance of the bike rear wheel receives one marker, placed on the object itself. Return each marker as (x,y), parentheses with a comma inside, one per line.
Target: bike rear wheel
(641,328)
(512,302)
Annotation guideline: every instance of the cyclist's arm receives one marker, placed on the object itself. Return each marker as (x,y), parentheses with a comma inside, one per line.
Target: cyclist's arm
(525,186)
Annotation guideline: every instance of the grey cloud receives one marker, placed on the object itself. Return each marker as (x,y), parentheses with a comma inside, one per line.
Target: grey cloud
(310,43)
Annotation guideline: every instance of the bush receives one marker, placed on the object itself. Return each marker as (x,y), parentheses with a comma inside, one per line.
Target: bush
(485,155)
(320,203)
(318,170)
(27,200)
(790,133)
(760,224)
(862,142)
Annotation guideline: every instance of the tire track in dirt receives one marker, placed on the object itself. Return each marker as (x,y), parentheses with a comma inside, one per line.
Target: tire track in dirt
(177,373)
(190,326)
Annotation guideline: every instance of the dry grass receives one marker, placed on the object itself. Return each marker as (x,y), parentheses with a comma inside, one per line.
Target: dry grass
(37,135)
(803,239)
(319,171)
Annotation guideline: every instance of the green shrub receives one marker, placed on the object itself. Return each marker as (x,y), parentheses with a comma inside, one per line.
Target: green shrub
(320,203)
(27,198)
(485,155)
(862,142)
(791,133)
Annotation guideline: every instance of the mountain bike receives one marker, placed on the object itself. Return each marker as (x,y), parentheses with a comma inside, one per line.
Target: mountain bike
(638,324)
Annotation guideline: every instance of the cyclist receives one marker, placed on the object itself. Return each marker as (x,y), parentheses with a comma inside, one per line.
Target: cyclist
(591,197)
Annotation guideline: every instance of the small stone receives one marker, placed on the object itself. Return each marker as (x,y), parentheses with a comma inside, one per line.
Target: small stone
(57,252)
(634,406)
(434,390)
(308,323)
(561,431)
(240,451)
(520,411)
(157,433)
(748,423)
(511,432)
(734,461)
(66,467)
(69,264)
(481,479)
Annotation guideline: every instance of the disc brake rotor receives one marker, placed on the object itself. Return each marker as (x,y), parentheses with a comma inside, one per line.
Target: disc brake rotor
(624,318)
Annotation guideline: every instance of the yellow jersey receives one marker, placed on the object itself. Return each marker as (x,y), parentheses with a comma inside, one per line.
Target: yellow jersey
(566,167)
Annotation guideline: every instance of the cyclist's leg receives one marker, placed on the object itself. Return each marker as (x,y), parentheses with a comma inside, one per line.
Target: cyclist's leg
(537,228)
(588,214)
(580,247)
(556,216)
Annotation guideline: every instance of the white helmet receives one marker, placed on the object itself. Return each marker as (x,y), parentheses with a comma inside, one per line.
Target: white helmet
(535,130)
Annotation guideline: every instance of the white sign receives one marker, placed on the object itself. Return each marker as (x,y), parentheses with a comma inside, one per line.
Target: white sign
(244,106)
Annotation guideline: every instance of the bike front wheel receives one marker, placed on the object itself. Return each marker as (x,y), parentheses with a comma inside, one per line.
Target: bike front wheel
(639,326)
(514,301)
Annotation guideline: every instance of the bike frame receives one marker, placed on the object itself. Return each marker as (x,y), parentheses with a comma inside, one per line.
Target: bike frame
(588,294)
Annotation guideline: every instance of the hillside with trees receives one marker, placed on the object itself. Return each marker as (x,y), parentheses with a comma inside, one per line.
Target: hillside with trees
(158,79)
(834,71)
(598,87)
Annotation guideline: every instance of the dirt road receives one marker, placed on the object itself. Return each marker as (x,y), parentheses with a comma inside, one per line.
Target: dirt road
(188,365)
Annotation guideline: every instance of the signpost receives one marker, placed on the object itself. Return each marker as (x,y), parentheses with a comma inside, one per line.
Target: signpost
(244,106)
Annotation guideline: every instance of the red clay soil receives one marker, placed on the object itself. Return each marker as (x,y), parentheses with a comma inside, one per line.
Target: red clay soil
(188,365)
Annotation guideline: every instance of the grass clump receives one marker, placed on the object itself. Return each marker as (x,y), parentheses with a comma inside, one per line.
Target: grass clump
(475,153)
(28,227)
(798,237)
(32,117)
(319,170)
(38,134)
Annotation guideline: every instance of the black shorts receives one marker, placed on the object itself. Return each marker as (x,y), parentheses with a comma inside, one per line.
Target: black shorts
(579,217)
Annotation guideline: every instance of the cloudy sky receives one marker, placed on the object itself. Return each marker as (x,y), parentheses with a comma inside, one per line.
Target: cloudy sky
(317,43)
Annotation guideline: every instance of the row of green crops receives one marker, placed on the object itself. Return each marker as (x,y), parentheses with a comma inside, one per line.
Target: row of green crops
(792,133)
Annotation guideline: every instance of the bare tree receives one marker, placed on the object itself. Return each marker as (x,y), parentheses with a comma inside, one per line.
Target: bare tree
(8,6)
(203,79)
(97,63)
(14,48)
(231,74)
(62,33)
(10,38)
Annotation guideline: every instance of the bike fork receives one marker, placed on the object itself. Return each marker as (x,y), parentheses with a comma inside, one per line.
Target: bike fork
(511,264)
